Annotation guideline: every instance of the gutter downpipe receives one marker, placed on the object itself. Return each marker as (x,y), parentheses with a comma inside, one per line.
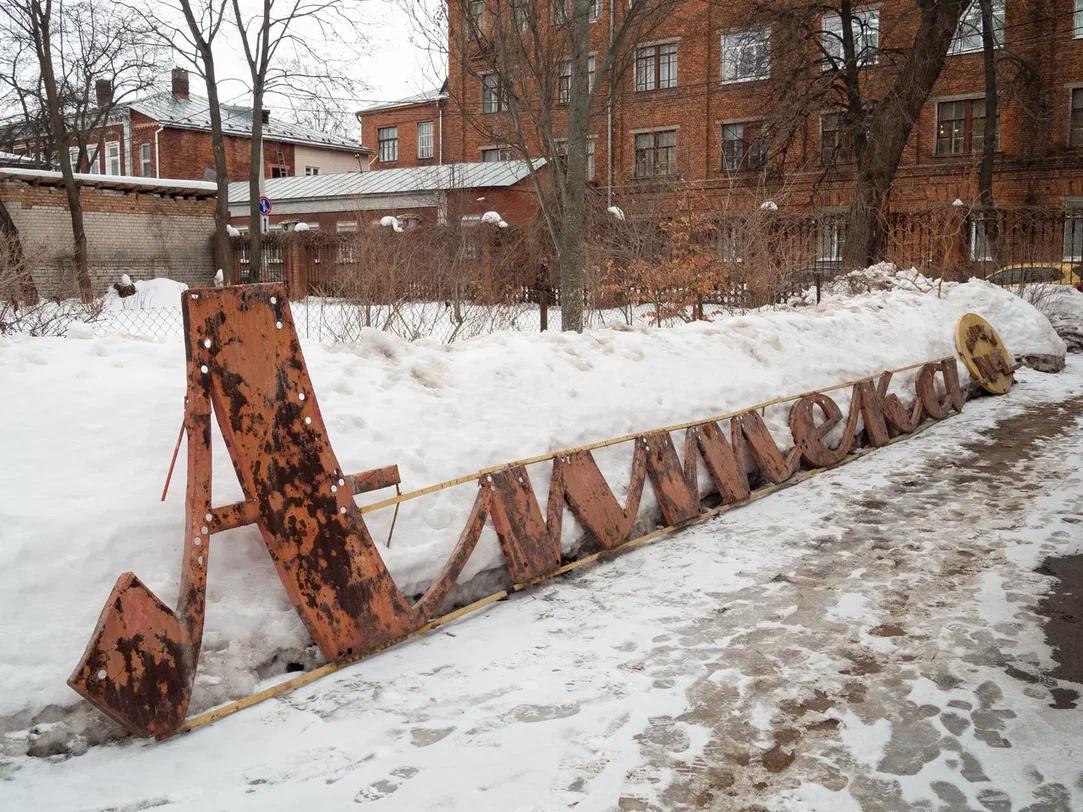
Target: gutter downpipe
(609,116)
(440,107)
(157,153)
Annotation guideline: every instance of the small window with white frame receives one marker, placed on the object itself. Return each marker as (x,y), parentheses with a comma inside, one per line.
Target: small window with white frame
(865,26)
(145,164)
(112,157)
(746,55)
(1073,230)
(497,153)
(980,248)
(424,140)
(830,238)
(493,94)
(1077,19)
(968,34)
(93,165)
(564,86)
(312,170)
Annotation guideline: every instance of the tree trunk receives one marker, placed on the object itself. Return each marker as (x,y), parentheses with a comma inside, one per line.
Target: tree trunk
(573,199)
(222,247)
(255,234)
(890,126)
(41,21)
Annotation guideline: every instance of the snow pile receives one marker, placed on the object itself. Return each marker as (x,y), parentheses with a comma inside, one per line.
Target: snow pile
(1063,306)
(149,293)
(89,427)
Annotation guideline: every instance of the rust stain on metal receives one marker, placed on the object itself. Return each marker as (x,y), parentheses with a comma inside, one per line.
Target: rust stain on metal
(591,499)
(245,367)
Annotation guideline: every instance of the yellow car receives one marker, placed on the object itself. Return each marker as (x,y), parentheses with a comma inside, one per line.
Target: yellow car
(1038,273)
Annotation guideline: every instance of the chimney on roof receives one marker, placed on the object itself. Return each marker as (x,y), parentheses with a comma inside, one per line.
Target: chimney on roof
(103,92)
(265,115)
(180,83)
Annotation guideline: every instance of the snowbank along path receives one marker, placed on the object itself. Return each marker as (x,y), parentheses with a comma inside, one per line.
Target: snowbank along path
(89,427)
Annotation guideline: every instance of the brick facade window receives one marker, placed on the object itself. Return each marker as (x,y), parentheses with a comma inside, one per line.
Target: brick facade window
(144,160)
(656,154)
(732,238)
(866,32)
(476,17)
(562,10)
(656,67)
(746,55)
(280,172)
(967,39)
(1073,230)
(387,142)
(1075,136)
(564,85)
(112,157)
(960,126)
(830,239)
(744,146)
(835,142)
(1077,19)
(493,96)
(424,139)
(562,149)
(492,154)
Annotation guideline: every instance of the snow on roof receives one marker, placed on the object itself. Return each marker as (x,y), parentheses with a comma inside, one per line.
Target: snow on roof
(487,174)
(15,158)
(193,113)
(122,182)
(417,98)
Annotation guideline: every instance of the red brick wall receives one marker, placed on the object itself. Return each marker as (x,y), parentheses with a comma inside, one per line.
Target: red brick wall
(1035,165)
(406,119)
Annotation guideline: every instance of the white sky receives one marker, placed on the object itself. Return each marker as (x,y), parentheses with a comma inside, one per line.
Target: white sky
(395,62)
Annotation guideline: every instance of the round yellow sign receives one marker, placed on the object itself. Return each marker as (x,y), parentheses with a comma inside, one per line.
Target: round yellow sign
(985,356)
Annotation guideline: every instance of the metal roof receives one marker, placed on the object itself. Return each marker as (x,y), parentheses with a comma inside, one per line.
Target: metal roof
(193,188)
(391,181)
(418,98)
(193,113)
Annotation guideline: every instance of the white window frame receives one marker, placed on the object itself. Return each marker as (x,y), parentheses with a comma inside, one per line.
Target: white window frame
(828,231)
(93,164)
(865,24)
(501,148)
(979,239)
(424,140)
(1072,246)
(1077,20)
(968,34)
(591,151)
(310,171)
(493,100)
(112,156)
(73,158)
(734,43)
(145,161)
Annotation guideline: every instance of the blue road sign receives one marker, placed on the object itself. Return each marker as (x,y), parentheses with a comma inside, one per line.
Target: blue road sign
(264,205)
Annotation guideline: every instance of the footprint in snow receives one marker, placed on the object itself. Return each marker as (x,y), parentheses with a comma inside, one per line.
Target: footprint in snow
(385,786)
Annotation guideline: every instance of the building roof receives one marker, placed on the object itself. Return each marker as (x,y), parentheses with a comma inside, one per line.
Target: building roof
(445,177)
(45,177)
(193,113)
(418,98)
(14,159)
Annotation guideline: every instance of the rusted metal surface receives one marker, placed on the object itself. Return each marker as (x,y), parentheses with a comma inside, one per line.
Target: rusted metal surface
(531,546)
(591,499)
(244,365)
(674,485)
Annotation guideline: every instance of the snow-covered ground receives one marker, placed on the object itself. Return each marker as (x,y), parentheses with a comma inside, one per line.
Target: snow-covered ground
(89,427)
(864,640)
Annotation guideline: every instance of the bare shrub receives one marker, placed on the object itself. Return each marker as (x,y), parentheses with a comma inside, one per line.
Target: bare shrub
(21,312)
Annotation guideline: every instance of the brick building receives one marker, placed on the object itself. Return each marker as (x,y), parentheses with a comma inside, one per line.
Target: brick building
(144,227)
(700,92)
(168,135)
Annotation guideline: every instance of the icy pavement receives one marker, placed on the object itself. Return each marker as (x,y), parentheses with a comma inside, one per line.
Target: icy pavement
(864,640)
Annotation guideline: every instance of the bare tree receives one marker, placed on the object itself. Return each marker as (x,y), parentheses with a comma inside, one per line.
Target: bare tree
(193,41)
(544,71)
(824,49)
(88,57)
(279,44)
